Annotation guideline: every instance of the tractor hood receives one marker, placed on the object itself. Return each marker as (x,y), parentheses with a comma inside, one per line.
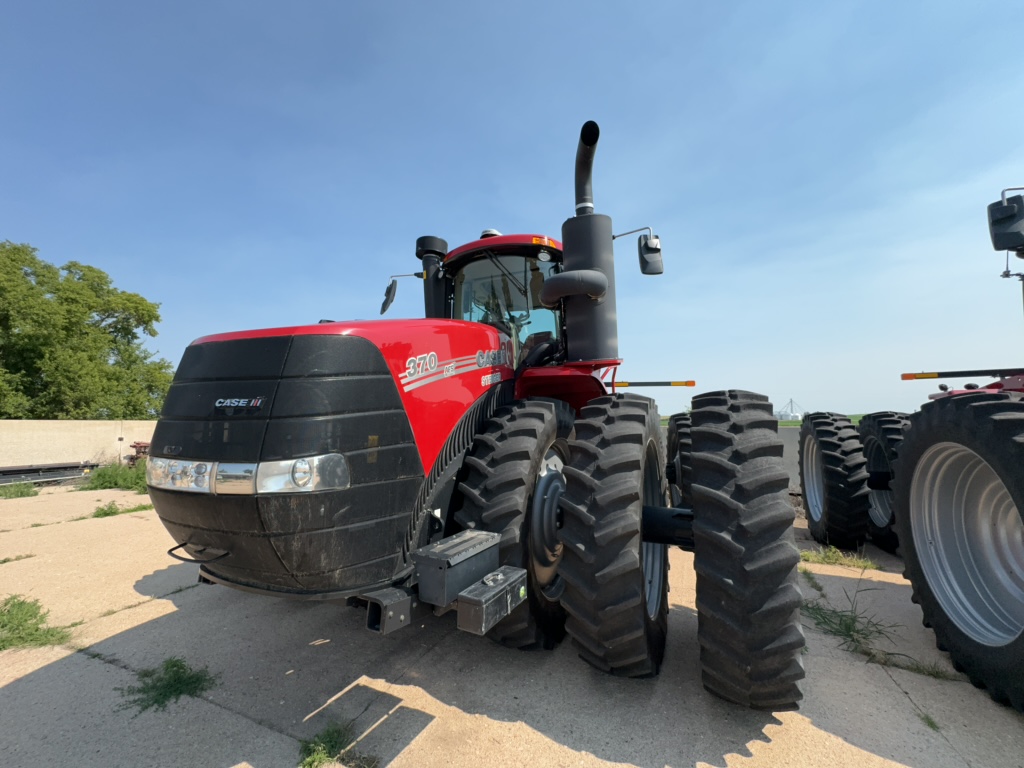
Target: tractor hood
(369,406)
(250,381)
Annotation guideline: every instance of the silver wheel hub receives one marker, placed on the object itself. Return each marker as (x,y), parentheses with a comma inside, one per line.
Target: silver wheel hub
(814,478)
(544,547)
(970,541)
(880,509)
(652,556)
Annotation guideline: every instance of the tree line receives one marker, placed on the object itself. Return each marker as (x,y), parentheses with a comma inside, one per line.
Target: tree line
(71,344)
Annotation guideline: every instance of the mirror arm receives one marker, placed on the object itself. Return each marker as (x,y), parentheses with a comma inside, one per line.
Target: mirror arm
(648,230)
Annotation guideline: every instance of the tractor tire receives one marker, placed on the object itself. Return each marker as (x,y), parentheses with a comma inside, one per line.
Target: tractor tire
(833,480)
(616,586)
(745,555)
(959,495)
(880,435)
(679,469)
(513,476)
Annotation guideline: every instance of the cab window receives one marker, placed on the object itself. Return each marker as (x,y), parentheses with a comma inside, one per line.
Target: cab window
(504,292)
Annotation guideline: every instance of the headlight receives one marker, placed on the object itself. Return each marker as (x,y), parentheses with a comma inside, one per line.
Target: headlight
(313,473)
(179,475)
(329,472)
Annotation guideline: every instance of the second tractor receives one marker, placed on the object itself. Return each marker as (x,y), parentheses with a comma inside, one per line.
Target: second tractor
(945,485)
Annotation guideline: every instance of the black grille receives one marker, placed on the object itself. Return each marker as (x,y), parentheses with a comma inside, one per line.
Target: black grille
(314,395)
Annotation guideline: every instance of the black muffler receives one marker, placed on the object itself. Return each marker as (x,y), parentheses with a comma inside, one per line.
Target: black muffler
(591,323)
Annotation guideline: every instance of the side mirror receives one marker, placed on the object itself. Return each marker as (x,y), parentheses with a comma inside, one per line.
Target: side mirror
(1006,223)
(389,295)
(649,247)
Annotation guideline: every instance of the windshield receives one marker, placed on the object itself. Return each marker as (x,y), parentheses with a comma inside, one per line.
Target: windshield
(504,292)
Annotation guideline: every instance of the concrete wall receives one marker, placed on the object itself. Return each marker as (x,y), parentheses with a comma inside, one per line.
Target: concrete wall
(64,442)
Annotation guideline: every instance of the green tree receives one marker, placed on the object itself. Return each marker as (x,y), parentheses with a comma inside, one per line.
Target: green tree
(70,344)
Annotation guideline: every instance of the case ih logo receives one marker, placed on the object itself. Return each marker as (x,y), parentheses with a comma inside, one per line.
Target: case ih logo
(239,402)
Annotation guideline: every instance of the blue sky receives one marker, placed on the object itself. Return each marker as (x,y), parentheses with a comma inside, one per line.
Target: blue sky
(818,172)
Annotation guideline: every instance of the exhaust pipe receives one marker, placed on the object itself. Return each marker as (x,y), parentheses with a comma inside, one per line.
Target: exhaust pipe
(589,135)
(586,286)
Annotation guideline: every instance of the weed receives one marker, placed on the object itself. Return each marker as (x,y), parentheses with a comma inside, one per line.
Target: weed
(107,510)
(17,491)
(117,476)
(856,630)
(15,559)
(812,580)
(23,625)
(37,525)
(929,721)
(159,687)
(859,633)
(928,669)
(111,509)
(832,556)
(328,746)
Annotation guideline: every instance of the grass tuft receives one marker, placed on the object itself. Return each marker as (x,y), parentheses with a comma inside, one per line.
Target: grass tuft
(328,746)
(159,687)
(18,491)
(111,509)
(117,476)
(832,556)
(929,721)
(23,625)
(856,631)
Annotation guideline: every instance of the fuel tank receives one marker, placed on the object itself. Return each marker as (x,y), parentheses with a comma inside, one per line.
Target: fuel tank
(300,461)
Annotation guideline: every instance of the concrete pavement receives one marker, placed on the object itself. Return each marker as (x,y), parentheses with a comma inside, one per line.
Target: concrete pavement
(430,695)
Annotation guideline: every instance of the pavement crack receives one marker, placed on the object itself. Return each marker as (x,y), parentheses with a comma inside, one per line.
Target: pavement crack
(925,717)
(116,662)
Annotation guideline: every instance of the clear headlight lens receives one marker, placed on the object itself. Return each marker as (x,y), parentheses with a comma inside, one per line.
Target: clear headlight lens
(178,474)
(312,473)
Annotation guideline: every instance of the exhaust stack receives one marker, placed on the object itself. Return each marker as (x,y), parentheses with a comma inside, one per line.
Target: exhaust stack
(585,167)
(590,321)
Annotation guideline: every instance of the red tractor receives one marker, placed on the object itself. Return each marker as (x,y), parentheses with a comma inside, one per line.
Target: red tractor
(946,484)
(474,461)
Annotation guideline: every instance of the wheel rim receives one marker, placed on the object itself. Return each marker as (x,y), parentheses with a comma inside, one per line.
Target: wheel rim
(969,539)
(653,555)
(545,549)
(677,462)
(814,478)
(880,508)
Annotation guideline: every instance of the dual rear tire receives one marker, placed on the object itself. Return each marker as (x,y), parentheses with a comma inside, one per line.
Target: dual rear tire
(610,587)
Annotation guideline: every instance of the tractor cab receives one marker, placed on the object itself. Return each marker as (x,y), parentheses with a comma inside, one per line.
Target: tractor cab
(498,281)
